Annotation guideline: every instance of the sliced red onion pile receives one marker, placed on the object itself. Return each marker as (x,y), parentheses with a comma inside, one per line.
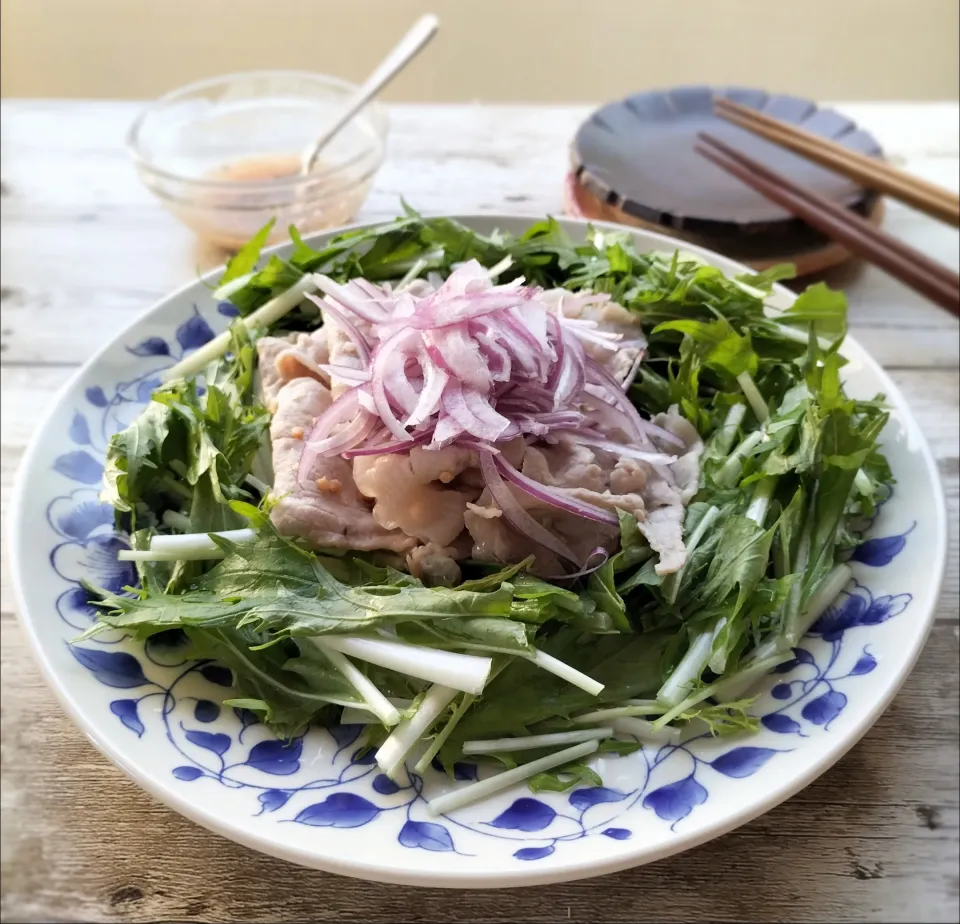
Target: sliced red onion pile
(478,364)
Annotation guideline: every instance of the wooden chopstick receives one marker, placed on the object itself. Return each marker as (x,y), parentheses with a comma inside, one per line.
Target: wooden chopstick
(838,212)
(938,283)
(868,171)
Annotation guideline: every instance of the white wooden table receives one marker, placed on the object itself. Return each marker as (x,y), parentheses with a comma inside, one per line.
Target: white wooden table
(85,248)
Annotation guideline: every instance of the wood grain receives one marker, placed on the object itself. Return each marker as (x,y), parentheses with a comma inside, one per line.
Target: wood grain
(84,249)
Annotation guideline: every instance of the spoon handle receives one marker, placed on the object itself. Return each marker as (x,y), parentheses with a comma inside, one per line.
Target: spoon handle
(405,50)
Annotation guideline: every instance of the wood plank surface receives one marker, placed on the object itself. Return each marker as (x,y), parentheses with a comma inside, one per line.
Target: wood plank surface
(85,248)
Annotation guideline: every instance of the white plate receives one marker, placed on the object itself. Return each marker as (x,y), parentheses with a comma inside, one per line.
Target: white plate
(313,803)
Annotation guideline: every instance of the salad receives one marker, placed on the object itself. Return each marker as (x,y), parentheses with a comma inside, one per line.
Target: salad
(521,500)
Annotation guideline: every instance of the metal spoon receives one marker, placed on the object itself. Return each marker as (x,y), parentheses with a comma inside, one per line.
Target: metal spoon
(405,51)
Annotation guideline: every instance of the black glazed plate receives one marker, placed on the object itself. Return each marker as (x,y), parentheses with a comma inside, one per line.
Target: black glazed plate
(638,155)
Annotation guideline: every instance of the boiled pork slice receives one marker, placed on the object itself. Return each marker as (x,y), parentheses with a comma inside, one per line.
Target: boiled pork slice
(435,565)
(326,509)
(413,492)
(656,495)
(611,318)
(283,359)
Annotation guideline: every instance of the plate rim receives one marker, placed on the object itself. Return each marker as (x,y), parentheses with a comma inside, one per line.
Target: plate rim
(690,223)
(481,877)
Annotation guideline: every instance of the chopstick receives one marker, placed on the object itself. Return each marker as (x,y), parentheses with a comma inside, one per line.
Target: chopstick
(868,171)
(938,283)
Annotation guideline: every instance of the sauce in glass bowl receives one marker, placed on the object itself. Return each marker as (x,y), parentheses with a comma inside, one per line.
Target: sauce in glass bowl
(223,155)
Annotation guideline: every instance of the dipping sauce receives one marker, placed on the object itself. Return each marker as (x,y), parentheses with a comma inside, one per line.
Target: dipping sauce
(228,216)
(258,168)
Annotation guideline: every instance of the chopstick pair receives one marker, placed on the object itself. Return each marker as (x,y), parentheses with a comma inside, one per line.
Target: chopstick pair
(914,269)
(867,171)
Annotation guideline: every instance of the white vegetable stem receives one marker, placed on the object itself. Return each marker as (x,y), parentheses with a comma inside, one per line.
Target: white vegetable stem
(532,742)
(500,267)
(757,511)
(169,555)
(729,428)
(404,737)
(753,396)
(619,712)
(358,715)
(730,688)
(688,671)
(199,542)
(378,703)
(460,797)
(863,483)
(234,285)
(464,672)
(568,673)
(645,731)
(730,470)
(706,521)
(795,600)
(418,267)
(257,484)
(264,316)
(764,659)
(800,336)
(830,588)
(176,520)
(441,736)
(717,661)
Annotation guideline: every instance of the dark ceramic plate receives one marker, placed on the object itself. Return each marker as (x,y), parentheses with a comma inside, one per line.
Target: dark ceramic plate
(637,154)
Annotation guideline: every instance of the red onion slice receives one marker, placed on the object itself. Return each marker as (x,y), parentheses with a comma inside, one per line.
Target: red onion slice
(652,429)
(386,448)
(572,376)
(445,432)
(354,432)
(493,351)
(556,497)
(472,414)
(460,355)
(434,381)
(397,382)
(476,363)
(374,292)
(367,309)
(619,449)
(515,514)
(347,373)
(492,422)
(632,371)
(321,437)
(329,309)
(600,555)
(461,308)
(394,350)
(642,428)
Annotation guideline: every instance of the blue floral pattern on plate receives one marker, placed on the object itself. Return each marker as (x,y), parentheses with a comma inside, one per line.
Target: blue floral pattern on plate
(222,746)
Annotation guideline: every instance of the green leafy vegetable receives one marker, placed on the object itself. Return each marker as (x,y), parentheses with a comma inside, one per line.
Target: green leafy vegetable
(247,257)
(191,448)
(790,472)
(274,586)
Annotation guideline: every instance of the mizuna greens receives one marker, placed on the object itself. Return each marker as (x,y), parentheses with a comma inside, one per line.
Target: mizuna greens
(789,477)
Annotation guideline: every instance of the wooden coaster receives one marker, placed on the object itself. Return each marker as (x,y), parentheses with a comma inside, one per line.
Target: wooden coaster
(811,253)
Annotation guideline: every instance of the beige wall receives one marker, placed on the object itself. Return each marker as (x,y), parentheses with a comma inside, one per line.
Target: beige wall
(491,50)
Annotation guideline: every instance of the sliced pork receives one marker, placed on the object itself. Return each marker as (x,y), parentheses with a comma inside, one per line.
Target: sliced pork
(413,491)
(325,508)
(283,359)
(427,382)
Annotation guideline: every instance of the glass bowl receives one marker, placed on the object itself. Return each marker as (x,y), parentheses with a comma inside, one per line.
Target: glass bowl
(223,154)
